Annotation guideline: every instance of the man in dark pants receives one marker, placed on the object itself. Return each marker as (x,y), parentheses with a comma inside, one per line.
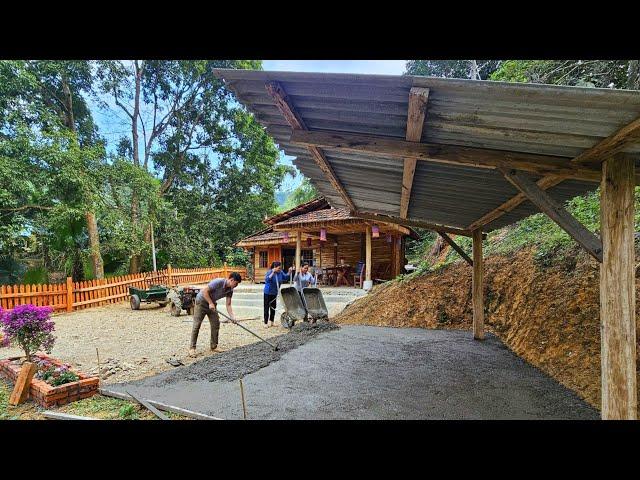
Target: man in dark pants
(206,305)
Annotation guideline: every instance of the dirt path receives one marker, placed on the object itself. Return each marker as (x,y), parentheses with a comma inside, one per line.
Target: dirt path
(135,344)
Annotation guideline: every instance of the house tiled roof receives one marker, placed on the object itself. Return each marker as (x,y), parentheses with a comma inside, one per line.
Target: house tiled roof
(326,215)
(312,205)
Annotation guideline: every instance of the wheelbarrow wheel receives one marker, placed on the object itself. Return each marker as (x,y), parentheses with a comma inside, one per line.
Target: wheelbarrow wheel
(134,301)
(286,321)
(175,310)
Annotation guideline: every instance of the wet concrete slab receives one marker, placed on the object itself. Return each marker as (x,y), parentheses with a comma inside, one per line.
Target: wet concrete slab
(361,372)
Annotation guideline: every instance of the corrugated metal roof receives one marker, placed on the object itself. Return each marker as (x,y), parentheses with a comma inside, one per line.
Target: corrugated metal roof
(540,119)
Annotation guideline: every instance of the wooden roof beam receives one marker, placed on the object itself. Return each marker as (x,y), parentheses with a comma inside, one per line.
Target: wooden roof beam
(284,104)
(418,98)
(614,143)
(449,154)
(600,152)
(555,211)
(378,217)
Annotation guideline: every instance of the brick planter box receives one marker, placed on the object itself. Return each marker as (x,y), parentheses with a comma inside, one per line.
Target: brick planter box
(47,395)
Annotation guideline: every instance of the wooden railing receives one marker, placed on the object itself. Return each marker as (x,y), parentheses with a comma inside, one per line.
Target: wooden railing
(71,295)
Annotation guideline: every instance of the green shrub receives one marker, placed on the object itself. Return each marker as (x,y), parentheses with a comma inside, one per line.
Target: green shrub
(35,275)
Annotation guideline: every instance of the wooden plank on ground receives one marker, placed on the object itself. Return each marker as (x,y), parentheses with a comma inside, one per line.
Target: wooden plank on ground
(150,407)
(159,405)
(21,389)
(65,416)
(556,212)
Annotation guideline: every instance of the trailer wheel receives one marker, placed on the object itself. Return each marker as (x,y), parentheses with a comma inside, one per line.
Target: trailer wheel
(134,301)
(175,310)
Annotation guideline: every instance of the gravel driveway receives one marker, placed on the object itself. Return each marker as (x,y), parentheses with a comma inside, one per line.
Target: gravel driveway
(135,344)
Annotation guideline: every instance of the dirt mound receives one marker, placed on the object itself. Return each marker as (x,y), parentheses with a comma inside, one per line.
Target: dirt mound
(549,315)
(236,363)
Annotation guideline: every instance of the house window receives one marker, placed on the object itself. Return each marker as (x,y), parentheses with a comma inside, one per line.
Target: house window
(262,262)
(306,256)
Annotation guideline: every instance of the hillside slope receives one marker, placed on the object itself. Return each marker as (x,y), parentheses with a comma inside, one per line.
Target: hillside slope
(549,315)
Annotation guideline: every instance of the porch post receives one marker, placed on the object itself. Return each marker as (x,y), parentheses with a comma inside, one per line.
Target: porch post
(476,293)
(617,290)
(367,266)
(298,249)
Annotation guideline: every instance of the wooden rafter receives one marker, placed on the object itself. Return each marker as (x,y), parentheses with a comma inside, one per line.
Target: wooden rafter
(555,211)
(601,151)
(456,247)
(544,183)
(612,144)
(418,98)
(377,217)
(449,154)
(284,104)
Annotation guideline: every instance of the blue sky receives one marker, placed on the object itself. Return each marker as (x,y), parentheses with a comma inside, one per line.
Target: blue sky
(113,123)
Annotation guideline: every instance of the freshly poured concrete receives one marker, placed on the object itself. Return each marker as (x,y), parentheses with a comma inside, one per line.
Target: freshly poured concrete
(360,372)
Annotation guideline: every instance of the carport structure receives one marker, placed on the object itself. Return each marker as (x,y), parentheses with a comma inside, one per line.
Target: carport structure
(467,157)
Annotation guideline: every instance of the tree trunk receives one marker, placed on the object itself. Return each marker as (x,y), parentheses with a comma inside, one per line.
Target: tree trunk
(92,224)
(97,264)
(134,263)
(633,75)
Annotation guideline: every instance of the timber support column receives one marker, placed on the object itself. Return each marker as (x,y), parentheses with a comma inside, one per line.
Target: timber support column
(368,284)
(617,290)
(476,293)
(298,249)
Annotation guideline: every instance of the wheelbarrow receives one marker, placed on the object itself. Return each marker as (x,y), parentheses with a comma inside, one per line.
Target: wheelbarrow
(294,309)
(309,306)
(156,291)
(314,302)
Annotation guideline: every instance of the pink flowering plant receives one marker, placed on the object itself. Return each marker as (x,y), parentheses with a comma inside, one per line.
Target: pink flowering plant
(29,327)
(53,374)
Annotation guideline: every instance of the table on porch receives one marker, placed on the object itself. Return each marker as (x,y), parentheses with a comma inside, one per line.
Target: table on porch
(332,273)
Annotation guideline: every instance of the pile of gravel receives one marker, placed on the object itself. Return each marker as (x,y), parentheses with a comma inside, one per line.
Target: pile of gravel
(237,363)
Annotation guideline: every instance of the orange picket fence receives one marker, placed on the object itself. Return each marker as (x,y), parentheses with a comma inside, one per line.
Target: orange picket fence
(95,293)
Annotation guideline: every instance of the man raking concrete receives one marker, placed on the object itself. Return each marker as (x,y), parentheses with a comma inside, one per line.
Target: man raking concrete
(206,304)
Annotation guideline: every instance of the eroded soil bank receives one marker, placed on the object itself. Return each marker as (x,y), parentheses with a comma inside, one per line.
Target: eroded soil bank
(549,315)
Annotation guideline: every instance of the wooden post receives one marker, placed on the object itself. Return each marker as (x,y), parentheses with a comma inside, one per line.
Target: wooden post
(23,382)
(169,272)
(477,297)
(617,291)
(298,249)
(367,264)
(69,294)
(224,270)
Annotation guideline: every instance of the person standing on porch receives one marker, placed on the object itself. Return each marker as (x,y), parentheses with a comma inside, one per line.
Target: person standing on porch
(274,278)
(206,304)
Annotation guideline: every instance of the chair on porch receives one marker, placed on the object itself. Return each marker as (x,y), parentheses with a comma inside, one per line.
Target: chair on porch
(321,276)
(358,275)
(381,272)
